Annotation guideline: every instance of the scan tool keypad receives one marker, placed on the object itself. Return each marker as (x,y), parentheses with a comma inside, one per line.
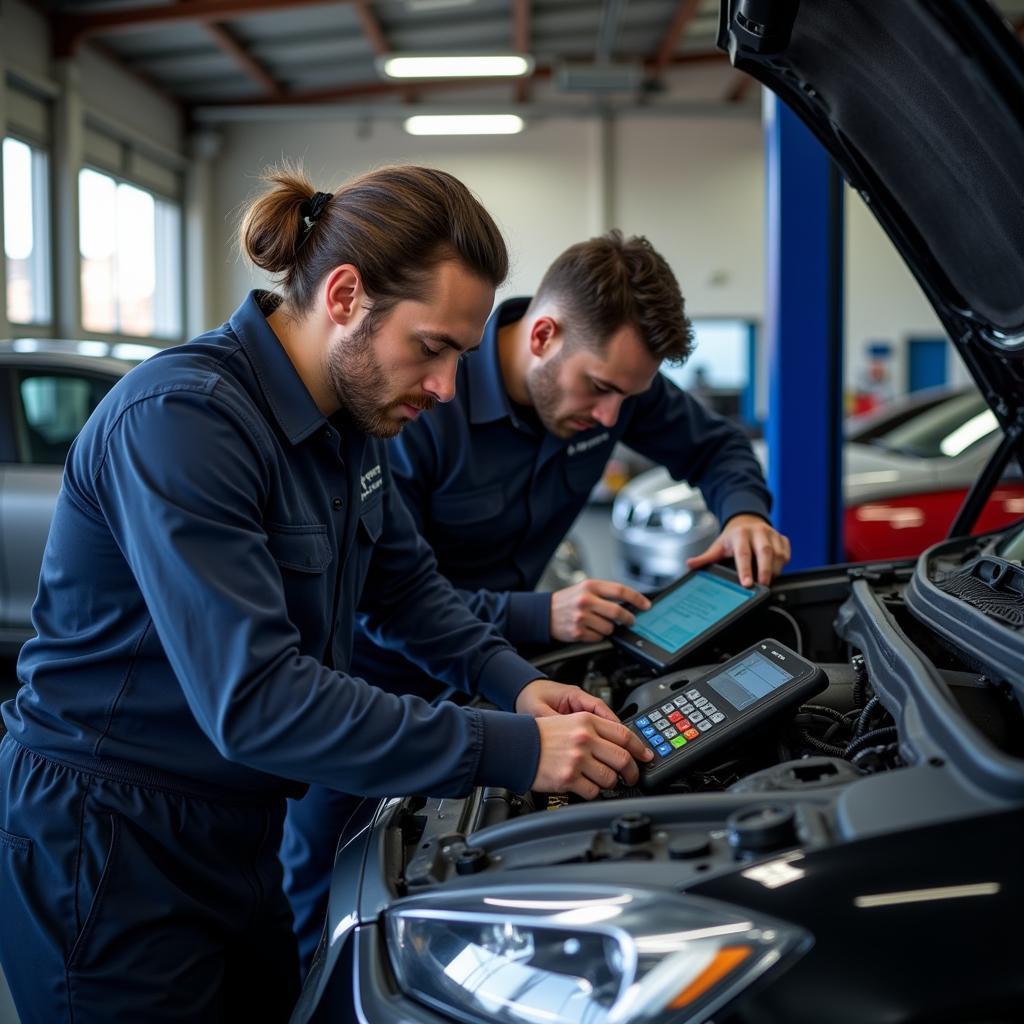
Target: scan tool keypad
(677,722)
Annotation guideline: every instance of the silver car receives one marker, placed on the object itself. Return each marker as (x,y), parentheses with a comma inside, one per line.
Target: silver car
(49,388)
(907,468)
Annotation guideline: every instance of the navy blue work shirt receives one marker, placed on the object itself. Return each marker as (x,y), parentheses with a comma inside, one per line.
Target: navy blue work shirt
(212,539)
(495,493)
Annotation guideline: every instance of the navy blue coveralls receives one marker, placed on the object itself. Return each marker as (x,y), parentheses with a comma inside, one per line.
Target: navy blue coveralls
(494,494)
(211,541)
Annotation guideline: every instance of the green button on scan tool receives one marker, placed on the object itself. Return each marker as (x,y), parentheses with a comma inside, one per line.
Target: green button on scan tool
(678,741)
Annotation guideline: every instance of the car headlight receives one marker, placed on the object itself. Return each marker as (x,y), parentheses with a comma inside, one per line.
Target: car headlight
(677,520)
(574,955)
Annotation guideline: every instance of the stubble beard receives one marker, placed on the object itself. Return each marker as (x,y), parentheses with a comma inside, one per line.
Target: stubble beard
(542,387)
(359,382)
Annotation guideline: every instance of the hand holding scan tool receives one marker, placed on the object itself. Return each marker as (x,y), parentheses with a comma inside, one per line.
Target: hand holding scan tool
(748,539)
(689,612)
(715,709)
(584,748)
(591,610)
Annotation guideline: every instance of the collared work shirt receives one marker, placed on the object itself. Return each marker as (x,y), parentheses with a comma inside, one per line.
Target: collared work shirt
(494,494)
(212,539)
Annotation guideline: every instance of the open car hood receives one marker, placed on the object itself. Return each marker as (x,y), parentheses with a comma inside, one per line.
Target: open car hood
(921,105)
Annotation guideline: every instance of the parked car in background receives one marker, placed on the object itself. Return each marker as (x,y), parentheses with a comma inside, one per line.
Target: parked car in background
(907,468)
(49,388)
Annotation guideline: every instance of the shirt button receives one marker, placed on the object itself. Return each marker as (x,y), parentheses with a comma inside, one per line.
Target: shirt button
(338,503)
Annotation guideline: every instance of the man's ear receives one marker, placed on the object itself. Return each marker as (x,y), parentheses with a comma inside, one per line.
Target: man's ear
(545,336)
(344,294)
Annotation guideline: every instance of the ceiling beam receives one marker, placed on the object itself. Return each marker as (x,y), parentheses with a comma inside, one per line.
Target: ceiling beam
(521,33)
(361,89)
(252,67)
(71,29)
(608,31)
(685,12)
(389,88)
(371,27)
(378,41)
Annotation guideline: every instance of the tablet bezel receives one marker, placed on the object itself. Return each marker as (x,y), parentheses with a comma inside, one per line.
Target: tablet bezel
(647,651)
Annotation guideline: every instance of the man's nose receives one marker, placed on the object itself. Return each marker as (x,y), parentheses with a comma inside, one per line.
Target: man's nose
(440,383)
(606,411)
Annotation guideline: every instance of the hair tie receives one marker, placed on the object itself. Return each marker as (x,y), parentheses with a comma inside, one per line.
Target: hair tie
(310,211)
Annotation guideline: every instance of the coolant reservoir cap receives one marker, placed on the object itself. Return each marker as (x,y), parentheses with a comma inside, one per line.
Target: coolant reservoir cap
(761,827)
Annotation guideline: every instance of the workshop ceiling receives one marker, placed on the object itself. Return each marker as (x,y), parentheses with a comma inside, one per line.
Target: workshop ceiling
(206,53)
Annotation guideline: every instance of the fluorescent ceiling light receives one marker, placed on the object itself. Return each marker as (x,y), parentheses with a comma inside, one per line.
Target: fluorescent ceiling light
(464,124)
(508,65)
(436,5)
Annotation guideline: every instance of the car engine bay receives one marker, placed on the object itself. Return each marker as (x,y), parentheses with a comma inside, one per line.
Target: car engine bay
(921,721)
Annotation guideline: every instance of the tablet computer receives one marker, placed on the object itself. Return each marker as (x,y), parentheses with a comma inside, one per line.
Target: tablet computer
(686,614)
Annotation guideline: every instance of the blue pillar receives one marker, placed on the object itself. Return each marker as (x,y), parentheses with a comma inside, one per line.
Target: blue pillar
(804,310)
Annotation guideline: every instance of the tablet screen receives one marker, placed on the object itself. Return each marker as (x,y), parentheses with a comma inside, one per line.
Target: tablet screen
(689,610)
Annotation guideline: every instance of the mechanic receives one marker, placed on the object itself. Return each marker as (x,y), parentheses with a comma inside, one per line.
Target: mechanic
(496,479)
(222,513)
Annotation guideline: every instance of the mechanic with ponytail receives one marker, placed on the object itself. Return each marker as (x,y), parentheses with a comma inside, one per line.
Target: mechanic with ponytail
(224,512)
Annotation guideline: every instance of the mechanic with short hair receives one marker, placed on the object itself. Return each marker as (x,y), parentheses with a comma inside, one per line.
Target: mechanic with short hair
(495,480)
(223,513)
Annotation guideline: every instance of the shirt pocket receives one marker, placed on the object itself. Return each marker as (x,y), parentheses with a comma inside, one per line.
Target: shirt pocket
(303,555)
(303,549)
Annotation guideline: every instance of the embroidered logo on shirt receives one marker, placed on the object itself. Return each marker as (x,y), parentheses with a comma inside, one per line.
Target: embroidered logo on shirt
(584,446)
(370,481)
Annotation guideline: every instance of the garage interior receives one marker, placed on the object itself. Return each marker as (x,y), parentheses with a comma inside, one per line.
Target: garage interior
(134,133)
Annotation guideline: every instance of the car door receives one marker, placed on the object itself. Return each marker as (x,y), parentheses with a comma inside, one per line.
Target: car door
(49,406)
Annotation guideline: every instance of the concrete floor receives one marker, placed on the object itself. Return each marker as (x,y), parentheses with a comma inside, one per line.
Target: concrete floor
(592,533)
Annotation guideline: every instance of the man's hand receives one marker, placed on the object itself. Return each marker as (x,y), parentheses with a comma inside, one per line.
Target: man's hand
(584,754)
(545,697)
(588,610)
(583,747)
(747,538)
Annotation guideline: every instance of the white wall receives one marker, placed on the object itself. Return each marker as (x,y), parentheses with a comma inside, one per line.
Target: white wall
(884,302)
(538,186)
(694,186)
(128,101)
(544,188)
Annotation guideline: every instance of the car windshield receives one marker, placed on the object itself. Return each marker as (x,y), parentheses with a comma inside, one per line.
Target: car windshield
(945,430)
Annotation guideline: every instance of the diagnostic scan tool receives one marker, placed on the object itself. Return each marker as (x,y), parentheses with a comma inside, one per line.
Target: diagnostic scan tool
(686,614)
(721,706)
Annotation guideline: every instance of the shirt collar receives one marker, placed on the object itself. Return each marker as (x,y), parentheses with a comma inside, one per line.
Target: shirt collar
(488,399)
(289,399)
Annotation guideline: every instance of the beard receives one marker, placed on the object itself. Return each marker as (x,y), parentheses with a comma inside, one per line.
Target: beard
(360,384)
(546,394)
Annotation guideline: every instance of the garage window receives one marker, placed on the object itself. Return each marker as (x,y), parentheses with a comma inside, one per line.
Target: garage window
(26,232)
(130,242)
